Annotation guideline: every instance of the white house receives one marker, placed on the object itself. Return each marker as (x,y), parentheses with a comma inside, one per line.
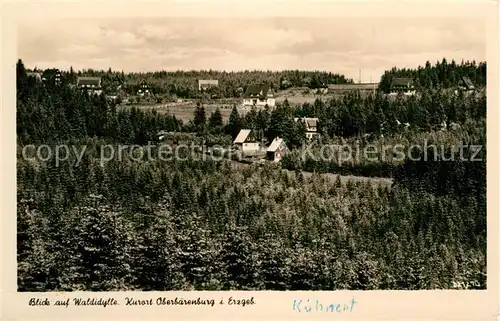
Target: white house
(259,95)
(92,85)
(276,150)
(144,89)
(246,142)
(311,126)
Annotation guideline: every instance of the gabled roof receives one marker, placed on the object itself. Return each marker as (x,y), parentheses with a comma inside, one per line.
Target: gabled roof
(242,136)
(208,81)
(163,132)
(260,91)
(401,82)
(36,75)
(275,144)
(96,81)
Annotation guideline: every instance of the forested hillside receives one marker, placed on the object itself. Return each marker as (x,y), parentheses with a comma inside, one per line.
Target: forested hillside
(184,84)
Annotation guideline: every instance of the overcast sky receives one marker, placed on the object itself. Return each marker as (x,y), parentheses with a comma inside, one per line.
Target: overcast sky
(342,45)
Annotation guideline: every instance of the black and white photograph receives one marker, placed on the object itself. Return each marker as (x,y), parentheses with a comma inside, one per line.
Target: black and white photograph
(260,153)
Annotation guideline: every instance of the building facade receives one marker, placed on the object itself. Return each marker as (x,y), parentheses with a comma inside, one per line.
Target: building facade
(466,84)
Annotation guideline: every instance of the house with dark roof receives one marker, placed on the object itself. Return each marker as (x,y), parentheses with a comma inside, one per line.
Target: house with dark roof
(35,75)
(52,76)
(259,95)
(144,89)
(402,86)
(92,85)
(311,126)
(276,150)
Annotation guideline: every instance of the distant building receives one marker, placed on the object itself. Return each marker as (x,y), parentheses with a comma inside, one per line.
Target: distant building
(246,142)
(259,95)
(311,126)
(276,150)
(466,84)
(402,86)
(345,88)
(144,89)
(92,85)
(205,84)
(36,75)
(52,76)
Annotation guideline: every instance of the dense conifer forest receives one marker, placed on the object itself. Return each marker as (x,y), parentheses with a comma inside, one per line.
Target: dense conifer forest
(139,224)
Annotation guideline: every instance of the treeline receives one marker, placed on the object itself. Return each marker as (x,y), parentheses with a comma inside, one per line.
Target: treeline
(184,84)
(442,74)
(193,225)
